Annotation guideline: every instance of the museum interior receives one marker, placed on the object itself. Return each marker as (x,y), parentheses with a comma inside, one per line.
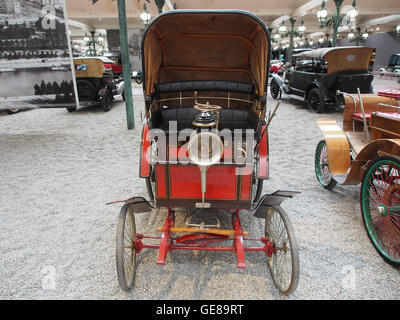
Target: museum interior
(200,150)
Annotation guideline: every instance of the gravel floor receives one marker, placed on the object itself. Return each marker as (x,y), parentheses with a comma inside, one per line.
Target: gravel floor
(57,236)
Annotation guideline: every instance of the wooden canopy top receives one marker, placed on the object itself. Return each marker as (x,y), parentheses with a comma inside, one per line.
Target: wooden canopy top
(341,58)
(184,45)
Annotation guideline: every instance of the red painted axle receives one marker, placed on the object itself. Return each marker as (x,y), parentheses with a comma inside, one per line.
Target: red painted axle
(200,241)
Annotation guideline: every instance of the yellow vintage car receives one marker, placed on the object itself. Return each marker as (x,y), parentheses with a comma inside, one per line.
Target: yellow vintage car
(367,151)
(95,81)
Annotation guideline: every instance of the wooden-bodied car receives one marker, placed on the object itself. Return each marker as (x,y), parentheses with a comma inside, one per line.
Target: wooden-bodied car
(319,75)
(95,81)
(205,142)
(367,151)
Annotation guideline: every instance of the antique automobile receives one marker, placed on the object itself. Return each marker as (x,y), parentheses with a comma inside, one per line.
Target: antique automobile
(318,75)
(117,65)
(95,81)
(275,66)
(204,145)
(367,151)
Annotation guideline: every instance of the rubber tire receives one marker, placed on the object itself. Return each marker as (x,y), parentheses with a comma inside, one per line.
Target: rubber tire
(367,229)
(106,100)
(293,248)
(13,110)
(72,109)
(87,87)
(123,95)
(332,183)
(125,286)
(274,89)
(315,92)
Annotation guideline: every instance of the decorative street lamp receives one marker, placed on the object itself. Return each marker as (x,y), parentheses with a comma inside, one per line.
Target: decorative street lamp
(353,12)
(91,44)
(145,16)
(359,36)
(322,14)
(301,28)
(336,19)
(282,29)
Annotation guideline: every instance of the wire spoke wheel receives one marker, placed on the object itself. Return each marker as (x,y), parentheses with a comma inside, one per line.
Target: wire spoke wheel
(380,207)
(284,262)
(125,249)
(322,168)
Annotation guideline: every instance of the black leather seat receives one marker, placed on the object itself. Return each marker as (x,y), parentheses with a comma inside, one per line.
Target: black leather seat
(228,119)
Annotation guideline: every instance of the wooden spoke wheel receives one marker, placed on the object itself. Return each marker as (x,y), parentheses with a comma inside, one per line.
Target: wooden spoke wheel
(322,168)
(284,262)
(125,249)
(380,206)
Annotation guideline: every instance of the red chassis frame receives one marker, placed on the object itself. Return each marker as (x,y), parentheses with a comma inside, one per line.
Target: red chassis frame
(201,240)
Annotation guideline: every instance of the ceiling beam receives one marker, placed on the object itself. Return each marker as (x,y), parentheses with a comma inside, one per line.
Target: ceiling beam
(382,20)
(79,25)
(302,10)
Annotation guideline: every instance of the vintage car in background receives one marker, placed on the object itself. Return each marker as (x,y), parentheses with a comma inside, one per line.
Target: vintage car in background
(367,151)
(275,66)
(319,75)
(95,81)
(117,65)
(204,149)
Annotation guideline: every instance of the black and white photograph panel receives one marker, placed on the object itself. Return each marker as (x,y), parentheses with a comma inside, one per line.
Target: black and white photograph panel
(35,62)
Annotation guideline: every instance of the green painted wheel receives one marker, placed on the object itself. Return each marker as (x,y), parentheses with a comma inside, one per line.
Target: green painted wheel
(322,168)
(380,207)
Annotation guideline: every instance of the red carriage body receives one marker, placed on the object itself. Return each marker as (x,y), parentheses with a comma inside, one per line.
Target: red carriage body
(206,72)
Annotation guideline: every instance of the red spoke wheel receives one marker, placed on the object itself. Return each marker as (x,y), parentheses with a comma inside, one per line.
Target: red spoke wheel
(380,206)
(125,248)
(284,262)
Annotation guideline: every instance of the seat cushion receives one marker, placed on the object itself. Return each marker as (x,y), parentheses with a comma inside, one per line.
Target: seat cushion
(228,118)
(359,116)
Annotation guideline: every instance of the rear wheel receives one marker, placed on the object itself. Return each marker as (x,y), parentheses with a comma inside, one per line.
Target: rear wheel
(315,101)
(284,262)
(125,248)
(71,109)
(275,89)
(106,100)
(86,89)
(380,207)
(322,167)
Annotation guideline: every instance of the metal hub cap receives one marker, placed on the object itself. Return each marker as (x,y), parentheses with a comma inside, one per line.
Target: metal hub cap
(382,210)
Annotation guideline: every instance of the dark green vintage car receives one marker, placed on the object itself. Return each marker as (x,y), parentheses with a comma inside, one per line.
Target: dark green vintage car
(319,75)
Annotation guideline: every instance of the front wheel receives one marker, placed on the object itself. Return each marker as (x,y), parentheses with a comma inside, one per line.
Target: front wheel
(284,262)
(322,167)
(274,89)
(315,101)
(125,248)
(13,110)
(380,207)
